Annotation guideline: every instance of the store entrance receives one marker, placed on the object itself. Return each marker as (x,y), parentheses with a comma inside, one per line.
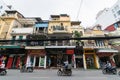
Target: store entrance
(79,62)
(90,61)
(103,60)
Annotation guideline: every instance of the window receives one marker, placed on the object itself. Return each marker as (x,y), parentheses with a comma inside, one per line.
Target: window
(81,33)
(13,37)
(99,43)
(20,37)
(118,12)
(57,27)
(113,10)
(115,15)
(116,7)
(99,27)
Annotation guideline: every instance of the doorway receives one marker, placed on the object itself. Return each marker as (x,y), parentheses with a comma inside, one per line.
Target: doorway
(90,61)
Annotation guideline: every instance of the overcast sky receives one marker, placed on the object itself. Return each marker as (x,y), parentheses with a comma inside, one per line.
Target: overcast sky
(45,8)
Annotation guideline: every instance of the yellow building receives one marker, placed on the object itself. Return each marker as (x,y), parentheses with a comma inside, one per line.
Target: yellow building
(97,52)
(7,21)
(59,27)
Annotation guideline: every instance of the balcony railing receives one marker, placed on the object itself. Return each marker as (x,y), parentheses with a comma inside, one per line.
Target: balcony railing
(46,43)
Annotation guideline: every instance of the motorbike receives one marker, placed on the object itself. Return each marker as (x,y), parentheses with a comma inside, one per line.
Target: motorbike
(3,71)
(26,69)
(107,70)
(64,71)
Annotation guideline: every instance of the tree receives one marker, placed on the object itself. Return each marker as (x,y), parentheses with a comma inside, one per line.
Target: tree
(77,35)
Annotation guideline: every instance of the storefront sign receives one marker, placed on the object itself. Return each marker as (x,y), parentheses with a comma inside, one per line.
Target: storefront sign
(70,51)
(89,51)
(104,54)
(37,52)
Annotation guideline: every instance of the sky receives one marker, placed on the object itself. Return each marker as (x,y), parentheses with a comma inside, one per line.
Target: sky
(44,8)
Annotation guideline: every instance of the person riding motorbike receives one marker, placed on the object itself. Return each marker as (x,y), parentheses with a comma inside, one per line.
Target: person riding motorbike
(66,64)
(108,65)
(65,69)
(2,65)
(3,69)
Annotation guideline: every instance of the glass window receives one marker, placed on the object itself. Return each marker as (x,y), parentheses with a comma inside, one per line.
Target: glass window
(13,37)
(20,37)
(118,12)
(115,15)
(99,43)
(116,7)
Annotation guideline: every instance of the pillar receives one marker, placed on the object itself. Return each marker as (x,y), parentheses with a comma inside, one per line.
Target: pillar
(28,59)
(96,61)
(84,62)
(74,61)
(34,61)
(45,61)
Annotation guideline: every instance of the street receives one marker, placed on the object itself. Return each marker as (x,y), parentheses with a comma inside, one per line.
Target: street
(51,74)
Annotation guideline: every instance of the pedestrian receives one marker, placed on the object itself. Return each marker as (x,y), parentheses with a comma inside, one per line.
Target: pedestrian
(49,62)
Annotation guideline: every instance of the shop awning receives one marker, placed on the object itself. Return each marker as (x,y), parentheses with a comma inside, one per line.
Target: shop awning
(60,47)
(34,47)
(10,46)
(107,51)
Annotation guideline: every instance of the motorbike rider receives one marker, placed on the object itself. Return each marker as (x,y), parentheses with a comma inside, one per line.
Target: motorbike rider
(29,64)
(2,65)
(108,65)
(66,64)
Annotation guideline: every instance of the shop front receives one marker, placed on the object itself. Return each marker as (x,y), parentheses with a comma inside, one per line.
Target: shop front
(90,58)
(37,57)
(105,55)
(79,57)
(56,56)
(12,57)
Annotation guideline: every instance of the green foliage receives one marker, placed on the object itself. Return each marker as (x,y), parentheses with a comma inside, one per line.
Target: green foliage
(77,34)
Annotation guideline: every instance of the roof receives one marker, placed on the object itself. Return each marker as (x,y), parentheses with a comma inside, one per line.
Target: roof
(13,12)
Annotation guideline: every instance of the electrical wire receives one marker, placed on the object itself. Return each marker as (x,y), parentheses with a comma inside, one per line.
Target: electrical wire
(81,2)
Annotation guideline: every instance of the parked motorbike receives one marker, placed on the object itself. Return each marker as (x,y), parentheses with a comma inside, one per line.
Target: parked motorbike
(64,71)
(3,71)
(26,69)
(107,70)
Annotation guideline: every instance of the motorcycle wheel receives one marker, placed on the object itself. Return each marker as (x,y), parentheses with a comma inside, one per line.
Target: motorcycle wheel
(114,71)
(59,73)
(104,71)
(70,73)
(29,70)
(21,70)
(3,73)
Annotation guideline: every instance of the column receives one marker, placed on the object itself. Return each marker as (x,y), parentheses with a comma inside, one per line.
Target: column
(34,61)
(84,62)
(45,61)
(28,59)
(112,60)
(97,61)
(39,61)
(112,57)
(74,60)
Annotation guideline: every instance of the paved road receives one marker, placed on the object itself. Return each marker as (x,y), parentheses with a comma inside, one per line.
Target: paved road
(78,74)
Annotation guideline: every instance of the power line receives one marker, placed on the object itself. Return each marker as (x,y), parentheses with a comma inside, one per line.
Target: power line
(81,2)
